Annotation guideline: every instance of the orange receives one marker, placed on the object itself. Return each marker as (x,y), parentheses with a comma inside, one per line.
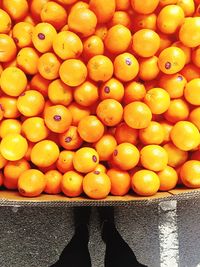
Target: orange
(8,47)
(76,4)
(30,103)
(36,7)
(158,100)
(134,91)
(105,146)
(3,161)
(85,159)
(190,174)
(154,157)
(72,184)
(100,168)
(93,46)
(9,78)
(153,134)
(31,183)
(189,33)
(174,84)
(5,22)
(122,4)
(168,179)
(185,135)
(176,156)
(12,171)
(146,43)
(196,155)
(190,71)
(82,21)
(178,110)
(165,41)
(22,34)
(86,94)
(147,8)
(40,84)
(13,147)
(58,118)
(43,37)
(96,185)
(126,67)
(27,60)
(64,162)
(90,129)
(70,139)
(137,115)
(110,112)
(170,18)
(113,89)
(54,14)
(120,181)
(145,183)
(104,12)
(121,17)
(53,182)
(118,39)
(35,129)
(192,92)
(186,50)
(101,31)
(48,66)
(1,178)
(9,126)
(167,2)
(194,117)
(142,21)
(196,56)
(78,112)
(124,133)
(67,45)
(100,68)
(60,93)
(44,153)
(73,72)
(126,156)
(17,9)
(149,69)
(171,60)
(9,107)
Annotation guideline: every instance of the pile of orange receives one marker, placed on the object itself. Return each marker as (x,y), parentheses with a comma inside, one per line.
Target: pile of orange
(99,97)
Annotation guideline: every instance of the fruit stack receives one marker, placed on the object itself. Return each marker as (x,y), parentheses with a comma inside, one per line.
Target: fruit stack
(99,97)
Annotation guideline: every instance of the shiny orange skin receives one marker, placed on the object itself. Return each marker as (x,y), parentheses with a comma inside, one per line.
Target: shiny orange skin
(145,183)
(30,103)
(60,93)
(178,110)
(48,66)
(9,107)
(100,168)
(118,39)
(189,138)
(17,9)
(3,161)
(189,33)
(120,181)
(137,115)
(122,4)
(78,112)
(142,21)
(72,47)
(154,157)
(12,171)
(168,179)
(53,182)
(149,7)
(72,184)
(93,46)
(110,112)
(174,84)
(105,147)
(121,17)
(153,134)
(171,60)
(90,129)
(194,117)
(58,118)
(190,173)
(22,34)
(190,71)
(8,47)
(27,60)
(126,156)
(35,129)
(113,89)
(70,139)
(44,153)
(192,92)
(96,185)
(40,84)
(85,160)
(5,22)
(101,31)
(188,7)
(104,12)
(186,50)
(100,68)
(86,94)
(126,134)
(134,91)
(149,69)
(8,126)
(126,67)
(146,43)
(64,162)
(176,156)
(36,7)
(196,56)
(31,183)
(73,72)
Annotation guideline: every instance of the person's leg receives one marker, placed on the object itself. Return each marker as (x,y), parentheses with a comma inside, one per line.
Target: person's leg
(118,252)
(76,253)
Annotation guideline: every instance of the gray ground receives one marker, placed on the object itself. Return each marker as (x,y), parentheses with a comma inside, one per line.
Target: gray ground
(34,237)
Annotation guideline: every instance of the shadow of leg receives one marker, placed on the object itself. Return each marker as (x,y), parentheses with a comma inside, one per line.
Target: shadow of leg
(76,253)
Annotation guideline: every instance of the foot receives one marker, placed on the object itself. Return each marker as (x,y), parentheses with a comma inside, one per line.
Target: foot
(106,215)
